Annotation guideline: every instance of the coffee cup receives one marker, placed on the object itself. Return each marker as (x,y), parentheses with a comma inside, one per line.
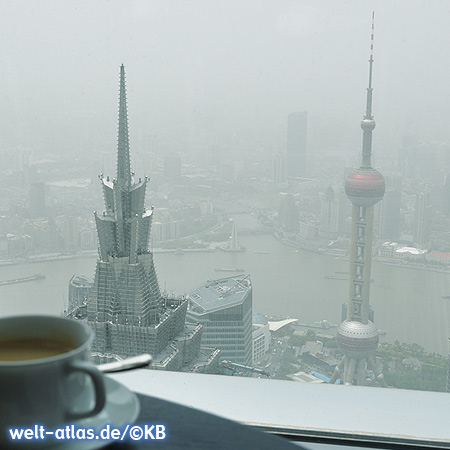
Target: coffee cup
(45,374)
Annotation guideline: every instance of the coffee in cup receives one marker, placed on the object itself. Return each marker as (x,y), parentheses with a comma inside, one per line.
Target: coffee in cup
(25,349)
(45,374)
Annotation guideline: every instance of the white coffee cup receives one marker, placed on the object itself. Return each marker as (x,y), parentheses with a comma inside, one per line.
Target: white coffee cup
(52,390)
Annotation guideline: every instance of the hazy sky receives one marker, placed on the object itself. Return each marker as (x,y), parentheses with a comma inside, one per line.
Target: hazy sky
(220,68)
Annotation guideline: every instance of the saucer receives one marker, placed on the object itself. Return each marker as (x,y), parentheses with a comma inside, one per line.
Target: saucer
(122,407)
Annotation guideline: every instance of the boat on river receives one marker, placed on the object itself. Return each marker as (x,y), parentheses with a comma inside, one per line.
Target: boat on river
(229,270)
(340,277)
(36,276)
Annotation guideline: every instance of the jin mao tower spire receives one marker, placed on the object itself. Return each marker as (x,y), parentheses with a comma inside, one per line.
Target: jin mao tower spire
(123,143)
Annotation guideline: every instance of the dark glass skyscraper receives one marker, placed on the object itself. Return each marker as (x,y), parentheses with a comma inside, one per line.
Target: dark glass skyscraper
(296,144)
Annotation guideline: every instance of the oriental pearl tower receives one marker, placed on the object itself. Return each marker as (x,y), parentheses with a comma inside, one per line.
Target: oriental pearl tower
(357,336)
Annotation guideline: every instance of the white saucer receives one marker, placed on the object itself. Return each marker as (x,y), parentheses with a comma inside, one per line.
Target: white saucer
(122,408)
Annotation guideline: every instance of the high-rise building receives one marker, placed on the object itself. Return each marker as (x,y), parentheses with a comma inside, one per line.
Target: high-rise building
(390,215)
(70,233)
(126,309)
(260,337)
(280,168)
(422,220)
(333,212)
(296,144)
(224,308)
(357,336)
(288,215)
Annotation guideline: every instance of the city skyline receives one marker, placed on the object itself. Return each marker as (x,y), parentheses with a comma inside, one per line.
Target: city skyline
(200,173)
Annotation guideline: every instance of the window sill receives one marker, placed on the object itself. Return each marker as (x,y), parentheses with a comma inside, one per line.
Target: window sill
(307,411)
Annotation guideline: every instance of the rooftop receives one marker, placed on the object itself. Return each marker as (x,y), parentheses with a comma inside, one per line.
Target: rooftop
(217,294)
(82,280)
(275,326)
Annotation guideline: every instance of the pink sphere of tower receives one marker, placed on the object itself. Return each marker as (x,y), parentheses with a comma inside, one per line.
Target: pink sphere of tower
(357,339)
(365,187)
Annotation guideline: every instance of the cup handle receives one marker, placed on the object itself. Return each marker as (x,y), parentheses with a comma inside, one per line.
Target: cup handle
(99,385)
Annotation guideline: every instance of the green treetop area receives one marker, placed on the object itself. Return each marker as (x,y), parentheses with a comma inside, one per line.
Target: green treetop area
(405,366)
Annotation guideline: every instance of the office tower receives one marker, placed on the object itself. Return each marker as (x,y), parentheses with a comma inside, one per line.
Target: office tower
(422,220)
(280,168)
(288,215)
(126,309)
(260,337)
(389,209)
(357,336)
(409,143)
(296,144)
(224,309)
(329,207)
(333,212)
(390,215)
(70,233)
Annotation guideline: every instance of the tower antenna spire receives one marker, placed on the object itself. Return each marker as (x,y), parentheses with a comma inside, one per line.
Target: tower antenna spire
(369,89)
(368,124)
(123,143)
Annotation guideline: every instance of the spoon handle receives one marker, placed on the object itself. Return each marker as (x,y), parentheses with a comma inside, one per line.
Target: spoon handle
(133,362)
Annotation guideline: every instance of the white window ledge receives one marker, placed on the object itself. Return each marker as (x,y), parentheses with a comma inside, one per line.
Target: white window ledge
(342,412)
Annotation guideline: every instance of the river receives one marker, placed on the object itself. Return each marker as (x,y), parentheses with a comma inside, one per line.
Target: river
(408,302)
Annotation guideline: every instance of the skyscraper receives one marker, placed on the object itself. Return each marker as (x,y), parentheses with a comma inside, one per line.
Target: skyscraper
(390,215)
(333,209)
(126,308)
(357,336)
(224,308)
(288,213)
(296,143)
(422,220)
(279,168)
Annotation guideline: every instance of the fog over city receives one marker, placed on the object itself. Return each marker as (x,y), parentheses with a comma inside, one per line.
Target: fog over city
(233,192)
(221,69)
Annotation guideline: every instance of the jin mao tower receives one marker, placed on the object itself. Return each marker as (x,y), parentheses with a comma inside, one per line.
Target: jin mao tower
(357,336)
(126,308)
